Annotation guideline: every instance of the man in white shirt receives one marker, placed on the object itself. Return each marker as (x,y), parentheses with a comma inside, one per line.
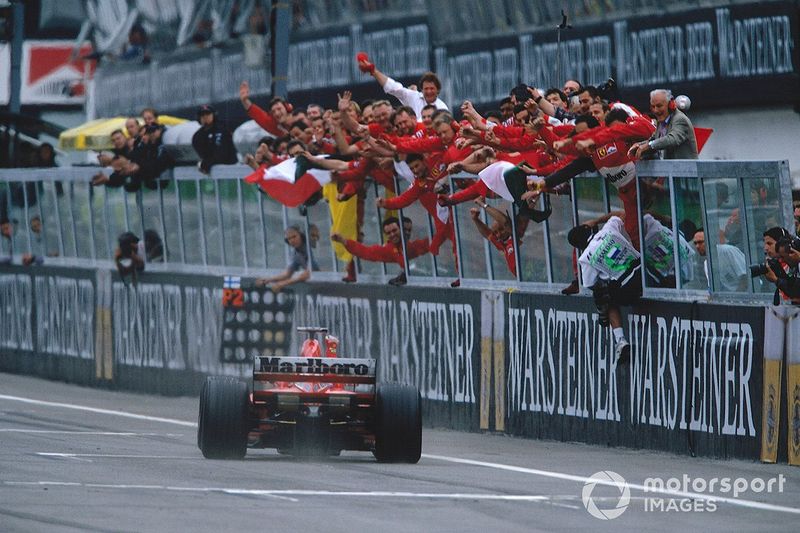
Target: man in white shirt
(429,84)
(611,267)
(730,272)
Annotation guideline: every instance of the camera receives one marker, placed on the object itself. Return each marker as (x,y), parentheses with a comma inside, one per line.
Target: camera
(758,270)
(608,90)
(761,270)
(126,243)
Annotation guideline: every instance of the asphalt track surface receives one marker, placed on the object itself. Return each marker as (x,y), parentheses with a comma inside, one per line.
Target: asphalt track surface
(81,459)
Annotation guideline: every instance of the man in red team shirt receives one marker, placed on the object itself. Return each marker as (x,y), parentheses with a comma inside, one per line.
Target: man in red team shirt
(392,250)
(423,190)
(498,233)
(606,150)
(279,119)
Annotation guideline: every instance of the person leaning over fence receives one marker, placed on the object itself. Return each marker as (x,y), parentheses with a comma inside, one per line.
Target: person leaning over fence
(674,136)
(611,268)
(392,250)
(299,263)
(499,233)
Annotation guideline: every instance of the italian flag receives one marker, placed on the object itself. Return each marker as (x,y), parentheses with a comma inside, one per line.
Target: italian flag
(291,182)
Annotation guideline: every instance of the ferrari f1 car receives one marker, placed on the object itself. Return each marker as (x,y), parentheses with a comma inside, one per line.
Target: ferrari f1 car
(312,404)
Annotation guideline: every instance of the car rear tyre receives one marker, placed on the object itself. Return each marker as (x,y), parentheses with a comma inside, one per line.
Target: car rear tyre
(223,422)
(398,424)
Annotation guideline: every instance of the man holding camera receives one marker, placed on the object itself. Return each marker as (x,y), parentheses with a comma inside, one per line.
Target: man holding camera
(130,256)
(786,280)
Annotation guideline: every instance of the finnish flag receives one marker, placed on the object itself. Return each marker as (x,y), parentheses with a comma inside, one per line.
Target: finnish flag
(232,282)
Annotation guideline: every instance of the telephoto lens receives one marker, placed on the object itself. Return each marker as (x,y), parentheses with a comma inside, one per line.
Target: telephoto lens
(757,270)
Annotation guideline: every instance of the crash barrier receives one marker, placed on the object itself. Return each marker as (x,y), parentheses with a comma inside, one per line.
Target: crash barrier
(708,379)
(220,222)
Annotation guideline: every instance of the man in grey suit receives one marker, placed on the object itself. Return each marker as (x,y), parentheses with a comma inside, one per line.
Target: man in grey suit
(674,137)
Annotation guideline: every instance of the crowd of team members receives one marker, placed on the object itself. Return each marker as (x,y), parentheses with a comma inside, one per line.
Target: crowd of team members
(533,144)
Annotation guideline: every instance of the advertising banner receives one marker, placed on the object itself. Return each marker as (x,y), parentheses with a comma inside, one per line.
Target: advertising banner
(47,321)
(693,381)
(718,57)
(426,338)
(52,75)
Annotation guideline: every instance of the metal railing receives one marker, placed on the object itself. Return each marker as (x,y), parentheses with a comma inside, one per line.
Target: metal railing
(219,223)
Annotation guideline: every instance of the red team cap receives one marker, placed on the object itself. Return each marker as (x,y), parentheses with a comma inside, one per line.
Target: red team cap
(363,63)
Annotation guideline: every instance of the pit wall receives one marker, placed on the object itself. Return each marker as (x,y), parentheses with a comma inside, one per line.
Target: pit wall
(714,380)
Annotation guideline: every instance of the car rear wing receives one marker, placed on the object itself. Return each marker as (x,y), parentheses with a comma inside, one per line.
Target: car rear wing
(314,370)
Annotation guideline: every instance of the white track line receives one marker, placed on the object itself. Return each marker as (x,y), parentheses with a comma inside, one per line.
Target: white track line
(99,411)
(299,492)
(101,433)
(107,455)
(581,479)
(497,466)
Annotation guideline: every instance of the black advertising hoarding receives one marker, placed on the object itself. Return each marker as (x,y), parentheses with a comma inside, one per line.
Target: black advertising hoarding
(694,381)
(324,60)
(731,55)
(47,322)
(423,337)
(739,54)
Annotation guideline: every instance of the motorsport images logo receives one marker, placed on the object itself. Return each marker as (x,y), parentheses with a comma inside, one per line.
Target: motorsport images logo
(601,507)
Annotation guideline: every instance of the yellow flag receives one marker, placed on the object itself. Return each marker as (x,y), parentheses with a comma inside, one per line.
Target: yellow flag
(343,219)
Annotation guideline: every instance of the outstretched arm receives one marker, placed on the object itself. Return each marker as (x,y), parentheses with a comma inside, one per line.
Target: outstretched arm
(483,229)
(325,163)
(347,121)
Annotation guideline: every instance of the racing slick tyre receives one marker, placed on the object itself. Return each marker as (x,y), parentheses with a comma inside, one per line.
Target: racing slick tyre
(398,424)
(222,426)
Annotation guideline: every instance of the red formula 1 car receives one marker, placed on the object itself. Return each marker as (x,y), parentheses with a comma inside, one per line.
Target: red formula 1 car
(312,404)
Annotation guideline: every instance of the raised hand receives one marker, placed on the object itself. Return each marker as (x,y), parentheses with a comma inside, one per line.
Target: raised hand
(244,94)
(344,101)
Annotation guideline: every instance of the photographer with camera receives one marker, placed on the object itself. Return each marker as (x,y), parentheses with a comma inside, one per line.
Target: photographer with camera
(787,280)
(130,255)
